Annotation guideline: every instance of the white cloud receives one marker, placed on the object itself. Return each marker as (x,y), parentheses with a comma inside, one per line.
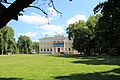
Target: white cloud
(52,29)
(76,18)
(52,11)
(30,34)
(34,19)
(48,33)
(35,40)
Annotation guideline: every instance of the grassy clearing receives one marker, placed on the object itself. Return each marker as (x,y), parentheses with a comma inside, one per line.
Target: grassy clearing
(59,67)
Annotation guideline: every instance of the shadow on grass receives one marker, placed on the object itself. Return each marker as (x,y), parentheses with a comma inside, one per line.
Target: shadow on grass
(11,78)
(67,55)
(93,76)
(93,60)
(98,61)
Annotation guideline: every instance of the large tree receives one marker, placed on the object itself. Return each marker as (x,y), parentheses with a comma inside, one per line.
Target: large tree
(35,46)
(24,44)
(83,34)
(108,30)
(7,40)
(80,33)
(92,23)
(1,43)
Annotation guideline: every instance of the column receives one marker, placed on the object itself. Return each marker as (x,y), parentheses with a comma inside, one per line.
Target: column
(52,50)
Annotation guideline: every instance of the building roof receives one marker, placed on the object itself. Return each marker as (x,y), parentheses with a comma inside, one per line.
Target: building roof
(56,37)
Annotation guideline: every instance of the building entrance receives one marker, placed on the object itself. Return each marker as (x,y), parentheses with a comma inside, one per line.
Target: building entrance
(58,49)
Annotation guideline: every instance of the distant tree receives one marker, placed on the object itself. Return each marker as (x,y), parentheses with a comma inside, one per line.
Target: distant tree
(24,44)
(83,34)
(1,43)
(7,40)
(80,33)
(35,46)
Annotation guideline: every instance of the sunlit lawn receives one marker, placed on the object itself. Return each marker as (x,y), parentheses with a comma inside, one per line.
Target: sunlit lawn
(59,67)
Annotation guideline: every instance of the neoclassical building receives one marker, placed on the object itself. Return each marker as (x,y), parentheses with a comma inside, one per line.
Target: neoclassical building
(56,44)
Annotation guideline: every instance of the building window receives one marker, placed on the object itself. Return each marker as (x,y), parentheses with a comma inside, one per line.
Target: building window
(44,49)
(62,42)
(51,49)
(41,49)
(58,42)
(69,49)
(54,42)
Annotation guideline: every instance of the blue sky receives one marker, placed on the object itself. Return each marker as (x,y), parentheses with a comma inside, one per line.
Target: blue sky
(34,24)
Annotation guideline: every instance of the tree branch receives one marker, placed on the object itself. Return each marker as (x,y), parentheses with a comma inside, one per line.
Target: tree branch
(52,3)
(13,10)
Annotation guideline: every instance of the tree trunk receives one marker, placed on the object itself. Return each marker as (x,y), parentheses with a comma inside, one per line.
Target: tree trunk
(13,10)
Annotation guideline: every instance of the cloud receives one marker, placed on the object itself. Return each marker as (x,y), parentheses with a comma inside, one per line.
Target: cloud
(35,40)
(34,19)
(52,29)
(76,18)
(48,33)
(52,11)
(30,34)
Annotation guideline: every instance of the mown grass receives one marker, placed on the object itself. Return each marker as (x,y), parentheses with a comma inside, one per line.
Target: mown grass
(59,67)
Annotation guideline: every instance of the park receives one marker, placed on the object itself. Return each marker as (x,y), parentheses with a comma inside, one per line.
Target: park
(90,49)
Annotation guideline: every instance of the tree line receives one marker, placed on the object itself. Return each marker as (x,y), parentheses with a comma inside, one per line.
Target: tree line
(24,45)
(101,33)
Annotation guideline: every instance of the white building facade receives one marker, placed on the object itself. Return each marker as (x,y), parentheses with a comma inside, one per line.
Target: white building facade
(56,44)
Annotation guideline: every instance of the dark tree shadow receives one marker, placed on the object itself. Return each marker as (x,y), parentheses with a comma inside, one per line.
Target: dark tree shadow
(99,61)
(67,55)
(92,60)
(11,78)
(93,76)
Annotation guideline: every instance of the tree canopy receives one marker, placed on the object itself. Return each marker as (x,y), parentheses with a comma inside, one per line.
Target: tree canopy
(7,40)
(105,30)
(83,34)
(108,29)
(24,44)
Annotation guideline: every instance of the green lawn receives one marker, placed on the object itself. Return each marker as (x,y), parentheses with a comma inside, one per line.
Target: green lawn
(59,67)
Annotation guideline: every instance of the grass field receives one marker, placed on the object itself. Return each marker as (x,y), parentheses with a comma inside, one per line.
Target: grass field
(59,67)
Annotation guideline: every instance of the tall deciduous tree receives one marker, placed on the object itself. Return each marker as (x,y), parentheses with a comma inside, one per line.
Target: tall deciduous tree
(92,21)
(35,46)
(92,24)
(108,29)
(24,44)
(80,33)
(7,40)
(83,34)
(1,43)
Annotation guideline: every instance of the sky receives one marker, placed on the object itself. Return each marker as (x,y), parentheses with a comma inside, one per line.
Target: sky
(35,24)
